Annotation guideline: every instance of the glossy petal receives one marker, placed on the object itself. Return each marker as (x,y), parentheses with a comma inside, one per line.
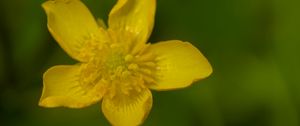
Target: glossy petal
(62,88)
(133,19)
(71,24)
(179,65)
(127,110)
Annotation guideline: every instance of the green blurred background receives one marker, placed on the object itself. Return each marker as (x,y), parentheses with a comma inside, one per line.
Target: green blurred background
(253,46)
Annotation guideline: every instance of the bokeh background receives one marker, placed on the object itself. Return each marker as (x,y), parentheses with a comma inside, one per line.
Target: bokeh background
(253,46)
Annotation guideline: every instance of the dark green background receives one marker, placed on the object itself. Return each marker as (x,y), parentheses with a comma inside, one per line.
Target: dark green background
(253,46)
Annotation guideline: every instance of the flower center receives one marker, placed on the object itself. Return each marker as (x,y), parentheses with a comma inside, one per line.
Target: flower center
(119,68)
(114,61)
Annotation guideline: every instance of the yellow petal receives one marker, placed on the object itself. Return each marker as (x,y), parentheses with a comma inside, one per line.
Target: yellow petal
(179,65)
(70,23)
(62,88)
(127,110)
(133,19)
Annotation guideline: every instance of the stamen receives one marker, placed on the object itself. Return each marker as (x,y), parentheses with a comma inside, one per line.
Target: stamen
(125,74)
(120,70)
(133,67)
(148,64)
(128,58)
(146,71)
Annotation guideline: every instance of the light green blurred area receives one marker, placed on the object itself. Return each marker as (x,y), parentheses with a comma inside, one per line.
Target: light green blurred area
(253,46)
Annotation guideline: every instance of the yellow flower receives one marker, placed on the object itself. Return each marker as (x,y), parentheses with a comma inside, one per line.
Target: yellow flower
(116,64)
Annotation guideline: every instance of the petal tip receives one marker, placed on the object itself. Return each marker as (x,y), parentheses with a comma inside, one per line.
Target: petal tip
(46,102)
(46,5)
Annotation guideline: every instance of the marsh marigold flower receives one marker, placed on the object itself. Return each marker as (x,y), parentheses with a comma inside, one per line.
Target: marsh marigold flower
(116,65)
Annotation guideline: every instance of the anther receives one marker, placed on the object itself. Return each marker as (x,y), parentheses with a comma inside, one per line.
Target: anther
(146,71)
(149,64)
(125,73)
(133,66)
(128,58)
